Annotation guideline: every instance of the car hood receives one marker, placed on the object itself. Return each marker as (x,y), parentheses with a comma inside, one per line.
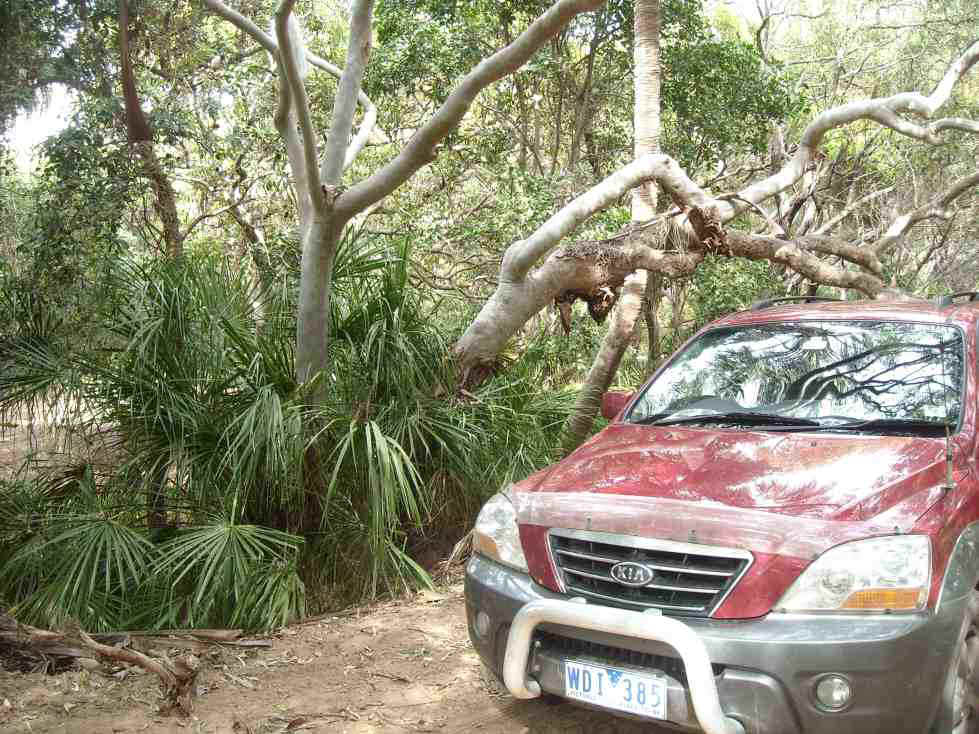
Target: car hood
(807,490)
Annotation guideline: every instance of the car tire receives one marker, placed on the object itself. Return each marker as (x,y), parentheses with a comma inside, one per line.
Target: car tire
(959,710)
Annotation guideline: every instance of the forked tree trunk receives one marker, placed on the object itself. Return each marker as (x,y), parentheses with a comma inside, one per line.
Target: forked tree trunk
(646,126)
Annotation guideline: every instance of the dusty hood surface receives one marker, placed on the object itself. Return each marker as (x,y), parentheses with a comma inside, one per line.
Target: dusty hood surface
(788,493)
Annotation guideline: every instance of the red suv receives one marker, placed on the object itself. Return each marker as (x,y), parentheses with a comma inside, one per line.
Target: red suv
(778,533)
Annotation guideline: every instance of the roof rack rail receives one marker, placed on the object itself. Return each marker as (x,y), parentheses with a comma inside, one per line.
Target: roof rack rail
(769,302)
(949,298)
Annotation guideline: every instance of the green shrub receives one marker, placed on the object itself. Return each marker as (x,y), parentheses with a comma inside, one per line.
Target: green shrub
(230,495)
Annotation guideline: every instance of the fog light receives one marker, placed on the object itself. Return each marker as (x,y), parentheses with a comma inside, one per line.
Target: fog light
(482,624)
(833,692)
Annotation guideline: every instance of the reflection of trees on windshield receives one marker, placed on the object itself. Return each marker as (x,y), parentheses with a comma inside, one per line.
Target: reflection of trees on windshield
(862,370)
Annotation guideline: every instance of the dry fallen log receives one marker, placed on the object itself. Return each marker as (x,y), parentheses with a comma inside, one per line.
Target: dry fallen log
(177,677)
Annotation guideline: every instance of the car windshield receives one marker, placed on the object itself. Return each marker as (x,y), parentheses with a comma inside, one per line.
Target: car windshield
(833,374)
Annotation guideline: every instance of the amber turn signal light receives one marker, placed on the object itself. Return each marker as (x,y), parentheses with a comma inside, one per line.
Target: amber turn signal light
(884,599)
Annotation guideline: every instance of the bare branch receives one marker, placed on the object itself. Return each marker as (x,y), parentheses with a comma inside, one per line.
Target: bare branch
(936,207)
(955,123)
(927,106)
(244,24)
(285,123)
(358,50)
(856,254)
(828,226)
(420,150)
(369,122)
(882,110)
(792,255)
(210,215)
(773,226)
(300,102)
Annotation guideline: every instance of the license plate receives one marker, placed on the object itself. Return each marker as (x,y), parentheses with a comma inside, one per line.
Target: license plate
(622,690)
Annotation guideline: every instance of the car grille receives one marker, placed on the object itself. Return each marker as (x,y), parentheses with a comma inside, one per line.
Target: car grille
(569,648)
(688,579)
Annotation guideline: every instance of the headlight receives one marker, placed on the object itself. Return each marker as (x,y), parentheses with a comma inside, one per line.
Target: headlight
(496,533)
(893,572)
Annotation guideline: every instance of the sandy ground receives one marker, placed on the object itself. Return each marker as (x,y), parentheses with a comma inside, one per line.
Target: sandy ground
(403,666)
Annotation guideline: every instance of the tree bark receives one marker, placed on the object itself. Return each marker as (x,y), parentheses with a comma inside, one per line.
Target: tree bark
(646,113)
(315,293)
(654,296)
(646,126)
(140,136)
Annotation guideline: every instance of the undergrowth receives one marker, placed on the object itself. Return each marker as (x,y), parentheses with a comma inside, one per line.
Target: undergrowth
(231,499)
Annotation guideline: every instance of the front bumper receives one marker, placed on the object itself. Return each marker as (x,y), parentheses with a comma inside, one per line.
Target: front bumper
(764,669)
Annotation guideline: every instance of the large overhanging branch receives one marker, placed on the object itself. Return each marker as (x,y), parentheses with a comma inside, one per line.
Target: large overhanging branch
(592,271)
(270,44)
(522,255)
(420,150)
(883,110)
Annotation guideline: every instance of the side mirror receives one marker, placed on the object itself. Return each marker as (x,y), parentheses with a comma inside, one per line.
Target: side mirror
(614,402)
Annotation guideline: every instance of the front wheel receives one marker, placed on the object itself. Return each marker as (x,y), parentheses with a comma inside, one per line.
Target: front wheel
(960,705)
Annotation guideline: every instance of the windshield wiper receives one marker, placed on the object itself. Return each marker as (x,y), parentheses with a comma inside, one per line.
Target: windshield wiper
(891,424)
(737,416)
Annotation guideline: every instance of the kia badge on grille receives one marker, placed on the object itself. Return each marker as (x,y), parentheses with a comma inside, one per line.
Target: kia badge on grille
(631,574)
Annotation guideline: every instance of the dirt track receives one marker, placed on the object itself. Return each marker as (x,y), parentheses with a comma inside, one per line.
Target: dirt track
(397,667)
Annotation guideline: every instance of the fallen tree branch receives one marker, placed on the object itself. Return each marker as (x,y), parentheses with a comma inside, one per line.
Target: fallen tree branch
(794,255)
(177,677)
(883,110)
(936,207)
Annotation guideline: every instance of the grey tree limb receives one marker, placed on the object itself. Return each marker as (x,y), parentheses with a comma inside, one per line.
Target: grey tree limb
(883,110)
(935,207)
(522,255)
(270,44)
(420,150)
(299,101)
(358,51)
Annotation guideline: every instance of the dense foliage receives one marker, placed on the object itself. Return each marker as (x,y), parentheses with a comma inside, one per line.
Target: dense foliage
(195,418)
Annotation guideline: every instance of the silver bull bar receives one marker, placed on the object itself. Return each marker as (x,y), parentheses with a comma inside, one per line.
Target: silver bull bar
(700,676)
